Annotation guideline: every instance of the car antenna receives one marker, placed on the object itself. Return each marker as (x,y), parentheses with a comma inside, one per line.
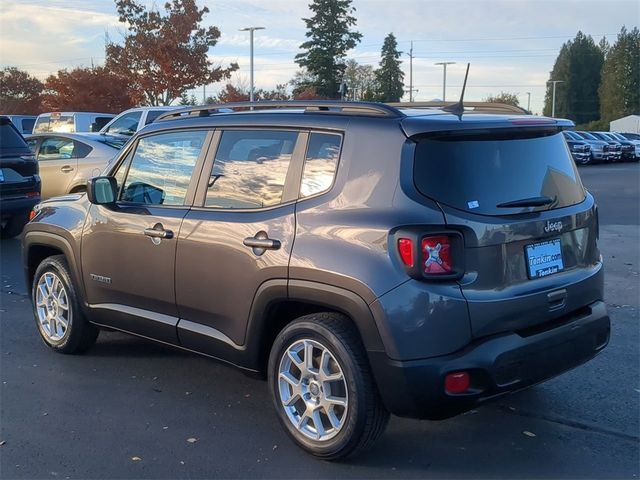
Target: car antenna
(458,108)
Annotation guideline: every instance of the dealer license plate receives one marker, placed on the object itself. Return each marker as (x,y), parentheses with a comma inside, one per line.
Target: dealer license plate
(544,258)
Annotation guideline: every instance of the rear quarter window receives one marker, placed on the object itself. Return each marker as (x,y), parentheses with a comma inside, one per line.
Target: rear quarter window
(479,172)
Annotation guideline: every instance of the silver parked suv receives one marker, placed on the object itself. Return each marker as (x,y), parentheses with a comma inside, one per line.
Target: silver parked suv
(367,259)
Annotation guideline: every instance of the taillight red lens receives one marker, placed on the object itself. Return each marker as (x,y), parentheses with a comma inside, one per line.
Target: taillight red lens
(405,248)
(458,382)
(436,255)
(32,214)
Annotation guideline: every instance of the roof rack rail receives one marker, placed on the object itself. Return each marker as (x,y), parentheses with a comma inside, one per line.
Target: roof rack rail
(470,107)
(370,109)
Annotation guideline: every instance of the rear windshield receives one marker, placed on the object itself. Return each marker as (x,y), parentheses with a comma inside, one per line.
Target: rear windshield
(55,123)
(478,173)
(10,139)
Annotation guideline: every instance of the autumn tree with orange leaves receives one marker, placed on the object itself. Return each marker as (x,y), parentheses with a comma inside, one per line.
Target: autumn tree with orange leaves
(20,93)
(93,89)
(163,55)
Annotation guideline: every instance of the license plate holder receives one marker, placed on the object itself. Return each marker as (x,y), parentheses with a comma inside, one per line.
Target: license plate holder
(544,258)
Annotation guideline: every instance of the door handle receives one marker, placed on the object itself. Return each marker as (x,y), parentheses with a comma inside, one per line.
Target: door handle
(261,243)
(158,232)
(66,169)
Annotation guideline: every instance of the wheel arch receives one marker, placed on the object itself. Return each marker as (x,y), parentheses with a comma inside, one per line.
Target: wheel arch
(40,245)
(278,303)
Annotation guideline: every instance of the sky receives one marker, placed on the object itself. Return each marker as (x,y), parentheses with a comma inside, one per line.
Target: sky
(511,44)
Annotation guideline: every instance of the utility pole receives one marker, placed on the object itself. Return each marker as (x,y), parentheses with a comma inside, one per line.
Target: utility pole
(204,94)
(444,80)
(411,89)
(528,101)
(553,96)
(251,30)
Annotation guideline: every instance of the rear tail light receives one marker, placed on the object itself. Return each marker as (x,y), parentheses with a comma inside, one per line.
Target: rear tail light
(32,214)
(436,255)
(405,249)
(32,194)
(429,255)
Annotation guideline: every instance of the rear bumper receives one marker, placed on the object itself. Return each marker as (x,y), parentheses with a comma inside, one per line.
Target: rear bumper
(17,205)
(498,365)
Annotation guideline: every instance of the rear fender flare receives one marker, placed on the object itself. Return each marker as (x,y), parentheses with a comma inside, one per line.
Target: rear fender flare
(319,294)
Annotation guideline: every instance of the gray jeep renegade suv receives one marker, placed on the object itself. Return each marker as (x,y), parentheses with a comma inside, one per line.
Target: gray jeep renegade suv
(367,259)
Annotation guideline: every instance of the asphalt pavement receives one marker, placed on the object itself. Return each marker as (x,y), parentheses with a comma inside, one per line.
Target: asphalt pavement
(134,409)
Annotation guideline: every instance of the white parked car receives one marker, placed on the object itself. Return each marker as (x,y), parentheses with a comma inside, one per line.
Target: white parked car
(71,122)
(132,120)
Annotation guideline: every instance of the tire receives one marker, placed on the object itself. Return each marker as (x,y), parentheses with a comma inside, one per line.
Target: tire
(14,226)
(349,409)
(55,302)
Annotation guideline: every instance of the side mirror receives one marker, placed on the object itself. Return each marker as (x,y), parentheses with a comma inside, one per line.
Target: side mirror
(102,190)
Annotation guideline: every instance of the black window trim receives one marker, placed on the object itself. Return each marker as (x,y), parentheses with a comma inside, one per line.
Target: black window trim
(197,169)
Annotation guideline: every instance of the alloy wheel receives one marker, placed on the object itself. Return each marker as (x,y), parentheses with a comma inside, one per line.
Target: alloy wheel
(313,390)
(52,306)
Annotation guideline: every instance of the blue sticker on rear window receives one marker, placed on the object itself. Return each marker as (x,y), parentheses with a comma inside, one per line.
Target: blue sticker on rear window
(473,204)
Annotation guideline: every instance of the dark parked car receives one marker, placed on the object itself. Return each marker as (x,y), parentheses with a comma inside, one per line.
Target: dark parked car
(631,136)
(613,148)
(630,148)
(366,259)
(627,149)
(19,180)
(599,149)
(617,146)
(580,149)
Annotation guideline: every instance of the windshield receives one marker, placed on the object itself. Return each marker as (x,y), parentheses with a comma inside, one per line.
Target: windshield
(588,135)
(479,173)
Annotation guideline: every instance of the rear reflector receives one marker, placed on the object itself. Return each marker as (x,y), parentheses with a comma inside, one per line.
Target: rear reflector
(405,248)
(436,255)
(458,382)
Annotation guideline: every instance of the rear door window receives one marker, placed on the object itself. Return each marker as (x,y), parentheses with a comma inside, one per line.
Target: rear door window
(250,169)
(55,148)
(478,173)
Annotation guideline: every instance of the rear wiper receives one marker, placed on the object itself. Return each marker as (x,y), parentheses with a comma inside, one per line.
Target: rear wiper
(528,202)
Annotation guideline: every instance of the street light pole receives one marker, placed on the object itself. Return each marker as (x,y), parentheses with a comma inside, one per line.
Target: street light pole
(411,89)
(553,96)
(251,30)
(528,101)
(444,79)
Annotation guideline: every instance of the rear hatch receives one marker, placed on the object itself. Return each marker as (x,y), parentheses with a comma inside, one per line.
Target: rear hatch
(529,227)
(18,167)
